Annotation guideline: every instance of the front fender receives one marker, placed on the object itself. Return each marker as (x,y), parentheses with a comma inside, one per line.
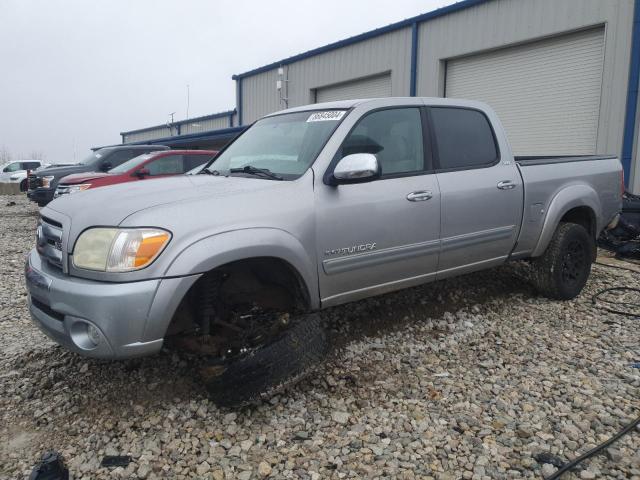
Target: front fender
(566,199)
(222,248)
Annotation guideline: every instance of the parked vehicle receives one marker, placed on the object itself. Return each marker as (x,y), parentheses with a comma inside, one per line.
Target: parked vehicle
(16,172)
(42,185)
(145,166)
(310,208)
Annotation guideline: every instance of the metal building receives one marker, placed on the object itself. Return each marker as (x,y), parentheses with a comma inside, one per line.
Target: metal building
(562,74)
(209,131)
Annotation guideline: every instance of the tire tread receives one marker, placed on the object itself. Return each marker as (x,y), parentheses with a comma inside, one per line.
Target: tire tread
(544,275)
(273,367)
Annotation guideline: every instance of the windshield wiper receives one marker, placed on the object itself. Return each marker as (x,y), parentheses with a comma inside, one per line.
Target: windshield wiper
(206,171)
(251,170)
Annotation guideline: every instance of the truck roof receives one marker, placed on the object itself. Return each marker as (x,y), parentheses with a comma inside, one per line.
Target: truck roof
(345,104)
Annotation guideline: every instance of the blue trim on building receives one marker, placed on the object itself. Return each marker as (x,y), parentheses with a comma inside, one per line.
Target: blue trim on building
(414,59)
(464,4)
(632,96)
(182,122)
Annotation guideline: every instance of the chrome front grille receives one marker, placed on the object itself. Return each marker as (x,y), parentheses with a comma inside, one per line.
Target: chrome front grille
(49,241)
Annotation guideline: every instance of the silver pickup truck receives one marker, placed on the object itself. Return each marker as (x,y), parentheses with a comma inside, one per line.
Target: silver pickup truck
(309,208)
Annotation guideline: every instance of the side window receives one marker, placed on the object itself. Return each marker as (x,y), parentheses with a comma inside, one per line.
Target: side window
(394,136)
(12,167)
(193,161)
(169,165)
(30,165)
(463,137)
(118,158)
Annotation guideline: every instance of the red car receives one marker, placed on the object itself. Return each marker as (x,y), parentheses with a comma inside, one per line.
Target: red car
(147,166)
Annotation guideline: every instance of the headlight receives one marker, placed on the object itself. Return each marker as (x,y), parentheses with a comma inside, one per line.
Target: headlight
(46,181)
(77,188)
(119,249)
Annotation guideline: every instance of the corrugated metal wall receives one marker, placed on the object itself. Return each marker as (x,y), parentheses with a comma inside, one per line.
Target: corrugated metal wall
(369,87)
(205,125)
(390,52)
(160,132)
(500,23)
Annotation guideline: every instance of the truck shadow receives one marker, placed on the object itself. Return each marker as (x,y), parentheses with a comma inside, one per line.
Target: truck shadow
(475,292)
(170,376)
(62,386)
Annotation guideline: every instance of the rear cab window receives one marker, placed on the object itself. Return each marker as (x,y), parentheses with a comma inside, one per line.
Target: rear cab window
(463,138)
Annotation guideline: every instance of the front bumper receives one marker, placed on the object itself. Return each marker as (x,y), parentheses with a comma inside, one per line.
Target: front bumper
(131,318)
(41,195)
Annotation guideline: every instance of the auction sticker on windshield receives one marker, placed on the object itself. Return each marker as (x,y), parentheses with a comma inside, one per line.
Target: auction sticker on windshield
(327,115)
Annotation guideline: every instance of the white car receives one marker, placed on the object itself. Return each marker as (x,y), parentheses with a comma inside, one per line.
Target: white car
(16,172)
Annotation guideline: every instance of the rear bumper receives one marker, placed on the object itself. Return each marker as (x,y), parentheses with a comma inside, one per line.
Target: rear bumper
(42,196)
(130,319)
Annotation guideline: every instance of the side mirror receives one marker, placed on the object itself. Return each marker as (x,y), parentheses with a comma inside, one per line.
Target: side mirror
(105,166)
(355,168)
(142,172)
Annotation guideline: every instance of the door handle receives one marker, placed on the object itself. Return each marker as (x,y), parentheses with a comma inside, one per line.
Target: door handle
(506,185)
(419,196)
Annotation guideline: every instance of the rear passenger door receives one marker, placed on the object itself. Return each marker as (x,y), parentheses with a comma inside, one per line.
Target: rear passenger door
(481,191)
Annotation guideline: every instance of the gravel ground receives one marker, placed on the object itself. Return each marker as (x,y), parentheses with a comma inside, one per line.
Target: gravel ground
(466,378)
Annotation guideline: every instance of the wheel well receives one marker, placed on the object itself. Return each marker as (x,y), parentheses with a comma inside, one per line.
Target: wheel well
(582,216)
(271,283)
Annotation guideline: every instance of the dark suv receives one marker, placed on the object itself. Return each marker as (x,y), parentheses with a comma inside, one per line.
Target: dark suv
(42,184)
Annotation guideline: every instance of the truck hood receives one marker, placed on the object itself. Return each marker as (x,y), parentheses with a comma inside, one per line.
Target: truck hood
(82,177)
(59,172)
(167,201)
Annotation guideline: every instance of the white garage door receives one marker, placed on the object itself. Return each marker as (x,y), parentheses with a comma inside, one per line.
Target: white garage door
(547,93)
(371,87)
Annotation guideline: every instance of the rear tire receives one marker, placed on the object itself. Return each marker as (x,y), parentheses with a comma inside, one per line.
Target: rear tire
(563,269)
(24,186)
(269,369)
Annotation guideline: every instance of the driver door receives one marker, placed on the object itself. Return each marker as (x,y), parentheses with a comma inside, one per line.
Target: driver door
(384,234)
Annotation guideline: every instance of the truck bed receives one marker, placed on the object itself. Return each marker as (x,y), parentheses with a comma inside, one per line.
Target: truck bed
(546,179)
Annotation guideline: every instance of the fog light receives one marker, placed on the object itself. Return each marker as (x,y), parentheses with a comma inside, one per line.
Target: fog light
(94,334)
(85,335)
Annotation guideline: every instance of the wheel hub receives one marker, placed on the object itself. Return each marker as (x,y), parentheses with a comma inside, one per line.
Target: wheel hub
(573,263)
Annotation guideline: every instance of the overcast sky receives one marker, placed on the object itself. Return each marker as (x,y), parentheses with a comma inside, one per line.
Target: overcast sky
(76,73)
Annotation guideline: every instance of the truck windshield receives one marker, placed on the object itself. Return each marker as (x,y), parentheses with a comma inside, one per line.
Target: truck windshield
(133,163)
(94,157)
(285,145)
